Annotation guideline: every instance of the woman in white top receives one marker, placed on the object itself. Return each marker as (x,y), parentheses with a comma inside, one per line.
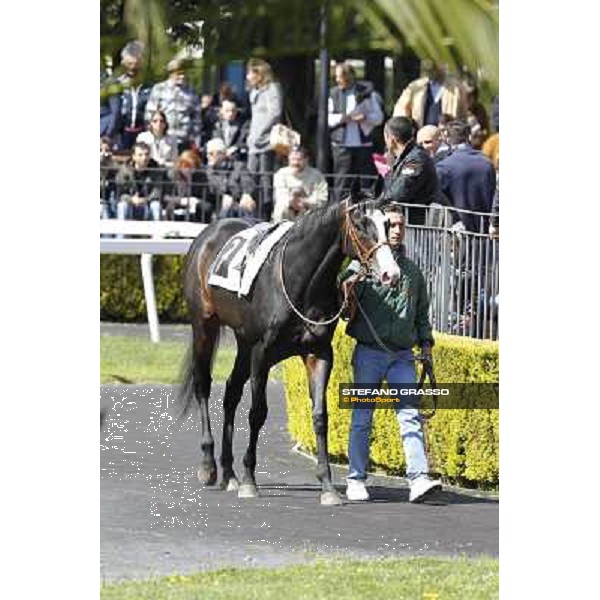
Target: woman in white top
(163,147)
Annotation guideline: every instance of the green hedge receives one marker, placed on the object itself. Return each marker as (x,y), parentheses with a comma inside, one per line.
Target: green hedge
(122,291)
(462,444)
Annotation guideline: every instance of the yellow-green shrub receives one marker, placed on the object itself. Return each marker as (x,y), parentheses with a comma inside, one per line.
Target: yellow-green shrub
(122,290)
(462,444)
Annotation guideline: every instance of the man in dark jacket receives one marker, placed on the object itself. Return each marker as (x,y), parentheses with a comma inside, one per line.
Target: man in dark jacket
(140,186)
(467,178)
(230,185)
(110,107)
(134,96)
(387,324)
(108,170)
(412,178)
(233,130)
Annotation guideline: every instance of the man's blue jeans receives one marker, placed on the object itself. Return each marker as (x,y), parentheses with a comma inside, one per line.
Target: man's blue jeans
(372,366)
(140,212)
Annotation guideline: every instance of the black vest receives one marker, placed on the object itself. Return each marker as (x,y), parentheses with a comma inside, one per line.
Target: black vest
(338,97)
(433,110)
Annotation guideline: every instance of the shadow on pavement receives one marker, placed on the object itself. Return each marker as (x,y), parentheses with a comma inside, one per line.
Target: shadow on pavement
(383,494)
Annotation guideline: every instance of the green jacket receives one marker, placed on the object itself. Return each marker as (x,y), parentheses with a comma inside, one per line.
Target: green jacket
(399,315)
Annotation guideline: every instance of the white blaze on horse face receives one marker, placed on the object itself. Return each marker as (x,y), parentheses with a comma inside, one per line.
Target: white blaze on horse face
(387,268)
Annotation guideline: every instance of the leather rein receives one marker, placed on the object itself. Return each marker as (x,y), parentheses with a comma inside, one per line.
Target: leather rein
(364,256)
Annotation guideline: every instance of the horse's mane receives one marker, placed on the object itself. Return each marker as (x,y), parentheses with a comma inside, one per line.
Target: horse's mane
(315,219)
(324,215)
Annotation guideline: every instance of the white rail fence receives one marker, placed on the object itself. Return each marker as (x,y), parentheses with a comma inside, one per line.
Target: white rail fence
(159,241)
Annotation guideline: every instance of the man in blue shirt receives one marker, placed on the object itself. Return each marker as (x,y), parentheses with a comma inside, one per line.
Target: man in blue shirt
(467,178)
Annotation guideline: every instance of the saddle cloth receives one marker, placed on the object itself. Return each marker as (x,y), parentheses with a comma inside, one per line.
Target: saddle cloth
(239,261)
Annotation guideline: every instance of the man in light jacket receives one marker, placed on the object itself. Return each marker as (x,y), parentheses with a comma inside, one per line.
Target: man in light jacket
(353,114)
(426,99)
(298,187)
(180,104)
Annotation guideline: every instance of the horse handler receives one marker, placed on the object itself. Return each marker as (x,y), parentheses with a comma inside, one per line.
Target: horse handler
(387,323)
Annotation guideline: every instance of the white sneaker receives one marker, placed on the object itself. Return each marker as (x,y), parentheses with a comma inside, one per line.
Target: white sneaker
(422,487)
(356,490)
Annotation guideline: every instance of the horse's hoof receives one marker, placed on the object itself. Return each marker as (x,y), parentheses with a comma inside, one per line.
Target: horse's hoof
(331,499)
(231,486)
(207,476)
(247,490)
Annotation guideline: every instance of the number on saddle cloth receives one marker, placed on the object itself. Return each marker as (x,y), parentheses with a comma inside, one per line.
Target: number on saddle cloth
(239,261)
(263,229)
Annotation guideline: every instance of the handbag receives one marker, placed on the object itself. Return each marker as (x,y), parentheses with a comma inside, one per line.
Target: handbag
(282,139)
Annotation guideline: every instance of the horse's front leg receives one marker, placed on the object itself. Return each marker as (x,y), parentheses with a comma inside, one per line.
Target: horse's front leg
(233,394)
(318,367)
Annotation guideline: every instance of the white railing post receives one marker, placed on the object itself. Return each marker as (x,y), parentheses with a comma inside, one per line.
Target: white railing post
(157,244)
(149,295)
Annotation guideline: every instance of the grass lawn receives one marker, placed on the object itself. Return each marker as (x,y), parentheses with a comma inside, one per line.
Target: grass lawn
(410,579)
(129,359)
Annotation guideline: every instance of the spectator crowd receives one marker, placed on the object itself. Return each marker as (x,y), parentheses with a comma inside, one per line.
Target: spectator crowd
(167,152)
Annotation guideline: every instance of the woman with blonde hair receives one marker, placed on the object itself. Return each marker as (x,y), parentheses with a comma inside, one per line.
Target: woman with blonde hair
(266,105)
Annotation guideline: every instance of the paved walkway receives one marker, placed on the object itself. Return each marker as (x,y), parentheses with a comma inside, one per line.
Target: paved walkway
(156,519)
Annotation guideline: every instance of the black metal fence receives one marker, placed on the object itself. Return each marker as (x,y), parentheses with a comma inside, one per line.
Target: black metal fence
(458,257)
(204,195)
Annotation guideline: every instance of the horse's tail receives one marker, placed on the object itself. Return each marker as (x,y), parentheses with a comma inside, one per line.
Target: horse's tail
(185,395)
(185,391)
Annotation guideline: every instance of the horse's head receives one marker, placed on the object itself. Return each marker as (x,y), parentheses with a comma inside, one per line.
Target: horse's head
(364,237)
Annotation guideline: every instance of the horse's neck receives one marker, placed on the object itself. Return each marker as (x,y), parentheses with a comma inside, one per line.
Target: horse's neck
(321,259)
(324,278)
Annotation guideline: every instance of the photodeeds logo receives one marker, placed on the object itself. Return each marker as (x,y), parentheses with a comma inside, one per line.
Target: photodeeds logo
(412,395)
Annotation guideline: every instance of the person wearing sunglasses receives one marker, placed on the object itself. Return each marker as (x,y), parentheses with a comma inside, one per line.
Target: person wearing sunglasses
(163,146)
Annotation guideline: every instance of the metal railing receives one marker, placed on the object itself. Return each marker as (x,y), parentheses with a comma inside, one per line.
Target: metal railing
(162,185)
(461,270)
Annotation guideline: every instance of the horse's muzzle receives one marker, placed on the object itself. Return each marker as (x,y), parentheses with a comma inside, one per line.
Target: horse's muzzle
(386,267)
(389,279)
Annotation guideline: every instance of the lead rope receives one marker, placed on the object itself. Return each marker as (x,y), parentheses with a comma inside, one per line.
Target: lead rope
(296,311)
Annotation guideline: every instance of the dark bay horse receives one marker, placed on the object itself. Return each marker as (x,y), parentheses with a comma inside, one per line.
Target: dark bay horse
(291,311)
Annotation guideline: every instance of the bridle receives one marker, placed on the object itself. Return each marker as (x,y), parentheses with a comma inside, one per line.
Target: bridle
(364,256)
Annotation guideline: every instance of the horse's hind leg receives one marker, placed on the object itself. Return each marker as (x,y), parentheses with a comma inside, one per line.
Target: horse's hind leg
(231,399)
(257,418)
(205,338)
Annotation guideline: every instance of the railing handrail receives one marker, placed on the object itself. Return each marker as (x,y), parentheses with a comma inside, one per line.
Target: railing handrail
(185,229)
